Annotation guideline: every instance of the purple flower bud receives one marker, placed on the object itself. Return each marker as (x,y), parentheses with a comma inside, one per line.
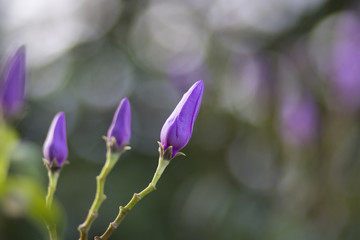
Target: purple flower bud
(55,147)
(120,128)
(346,62)
(178,128)
(13,84)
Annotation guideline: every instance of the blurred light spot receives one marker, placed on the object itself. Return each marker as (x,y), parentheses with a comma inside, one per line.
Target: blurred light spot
(49,28)
(245,26)
(15,203)
(298,120)
(26,159)
(320,43)
(49,78)
(247,90)
(104,79)
(336,52)
(202,5)
(259,15)
(27,151)
(208,197)
(251,162)
(165,32)
(346,61)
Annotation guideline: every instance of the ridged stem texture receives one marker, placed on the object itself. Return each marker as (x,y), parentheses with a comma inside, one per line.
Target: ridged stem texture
(123,211)
(111,159)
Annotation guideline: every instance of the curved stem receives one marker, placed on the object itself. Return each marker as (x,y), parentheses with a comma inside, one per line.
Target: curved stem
(111,159)
(123,211)
(52,232)
(53,179)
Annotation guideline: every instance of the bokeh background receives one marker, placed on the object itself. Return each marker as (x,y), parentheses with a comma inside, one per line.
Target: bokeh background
(275,149)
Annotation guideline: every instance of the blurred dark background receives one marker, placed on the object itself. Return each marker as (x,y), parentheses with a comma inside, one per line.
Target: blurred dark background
(275,149)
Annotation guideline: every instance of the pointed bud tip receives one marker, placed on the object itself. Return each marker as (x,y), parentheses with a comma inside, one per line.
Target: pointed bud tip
(199,85)
(60,115)
(200,82)
(177,129)
(120,128)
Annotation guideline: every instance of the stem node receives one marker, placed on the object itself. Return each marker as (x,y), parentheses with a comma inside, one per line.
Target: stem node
(123,211)
(111,159)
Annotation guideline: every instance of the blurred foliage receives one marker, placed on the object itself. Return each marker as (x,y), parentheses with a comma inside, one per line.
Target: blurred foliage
(275,149)
(21,196)
(8,139)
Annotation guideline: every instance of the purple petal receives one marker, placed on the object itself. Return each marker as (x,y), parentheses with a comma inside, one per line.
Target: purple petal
(55,146)
(120,127)
(178,128)
(13,88)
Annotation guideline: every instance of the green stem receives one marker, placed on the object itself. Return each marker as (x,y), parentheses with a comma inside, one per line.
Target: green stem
(52,232)
(111,159)
(123,211)
(53,179)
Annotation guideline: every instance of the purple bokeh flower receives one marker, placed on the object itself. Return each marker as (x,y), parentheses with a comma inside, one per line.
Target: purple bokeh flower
(55,147)
(12,91)
(120,127)
(299,121)
(346,62)
(250,87)
(178,128)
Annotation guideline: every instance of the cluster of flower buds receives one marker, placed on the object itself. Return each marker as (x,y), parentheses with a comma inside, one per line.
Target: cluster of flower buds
(175,133)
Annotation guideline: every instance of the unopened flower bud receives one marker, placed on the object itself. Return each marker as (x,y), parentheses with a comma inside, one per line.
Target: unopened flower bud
(55,147)
(346,62)
(177,129)
(119,132)
(12,91)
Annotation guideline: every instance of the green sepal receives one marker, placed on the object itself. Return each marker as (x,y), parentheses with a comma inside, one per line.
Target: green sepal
(52,166)
(111,144)
(167,154)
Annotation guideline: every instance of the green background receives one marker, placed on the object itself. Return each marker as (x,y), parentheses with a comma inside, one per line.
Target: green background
(241,179)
